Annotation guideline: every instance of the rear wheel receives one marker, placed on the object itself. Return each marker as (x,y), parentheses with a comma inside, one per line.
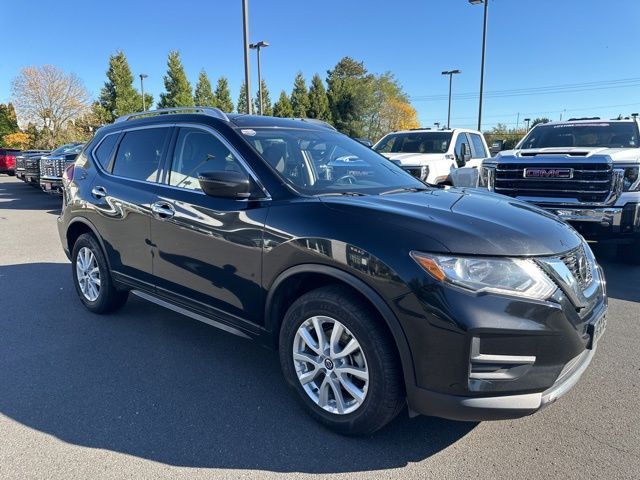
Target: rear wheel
(92,278)
(340,359)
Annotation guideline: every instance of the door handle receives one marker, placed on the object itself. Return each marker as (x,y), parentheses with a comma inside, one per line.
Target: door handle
(99,192)
(162,210)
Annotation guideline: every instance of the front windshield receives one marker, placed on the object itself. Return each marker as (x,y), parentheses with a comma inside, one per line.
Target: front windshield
(325,162)
(583,134)
(415,142)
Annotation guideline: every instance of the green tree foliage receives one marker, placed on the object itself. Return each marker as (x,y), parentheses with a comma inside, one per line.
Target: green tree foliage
(389,108)
(282,107)
(539,120)
(204,96)
(509,136)
(267,108)
(178,89)
(350,93)
(299,97)
(242,99)
(8,121)
(223,95)
(118,96)
(318,100)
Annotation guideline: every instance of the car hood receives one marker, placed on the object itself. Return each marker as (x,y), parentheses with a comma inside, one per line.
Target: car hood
(616,154)
(463,221)
(414,158)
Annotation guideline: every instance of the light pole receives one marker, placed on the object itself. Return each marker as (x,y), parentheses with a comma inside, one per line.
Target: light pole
(527,120)
(437,124)
(247,77)
(257,47)
(451,73)
(484,48)
(142,77)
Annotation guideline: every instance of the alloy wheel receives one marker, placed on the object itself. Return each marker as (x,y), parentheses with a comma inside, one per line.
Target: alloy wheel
(330,365)
(88,274)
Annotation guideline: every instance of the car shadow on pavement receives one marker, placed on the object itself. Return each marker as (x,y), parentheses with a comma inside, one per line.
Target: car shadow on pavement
(623,279)
(150,383)
(17,195)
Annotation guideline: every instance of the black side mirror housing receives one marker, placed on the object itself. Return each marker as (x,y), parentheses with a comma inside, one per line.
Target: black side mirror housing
(226,184)
(465,154)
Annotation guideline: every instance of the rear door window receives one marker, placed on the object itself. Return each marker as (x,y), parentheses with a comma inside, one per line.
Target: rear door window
(103,153)
(140,152)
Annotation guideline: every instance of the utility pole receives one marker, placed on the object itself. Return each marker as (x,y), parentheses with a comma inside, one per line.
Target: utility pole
(142,77)
(257,47)
(451,73)
(247,76)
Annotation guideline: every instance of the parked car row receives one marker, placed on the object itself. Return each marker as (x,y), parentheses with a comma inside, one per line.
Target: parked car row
(43,168)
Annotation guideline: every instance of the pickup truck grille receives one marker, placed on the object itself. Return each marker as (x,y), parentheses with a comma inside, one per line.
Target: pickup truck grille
(590,182)
(52,168)
(20,164)
(32,166)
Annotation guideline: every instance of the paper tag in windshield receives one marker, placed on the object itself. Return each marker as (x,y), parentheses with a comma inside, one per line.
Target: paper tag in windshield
(249,132)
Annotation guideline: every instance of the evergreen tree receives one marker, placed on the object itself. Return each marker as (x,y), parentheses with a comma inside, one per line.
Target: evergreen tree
(178,89)
(242,99)
(118,96)
(267,108)
(350,90)
(204,96)
(223,95)
(282,107)
(318,100)
(299,97)
(8,121)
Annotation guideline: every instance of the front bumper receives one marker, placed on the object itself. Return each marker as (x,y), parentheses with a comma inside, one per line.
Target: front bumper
(51,185)
(501,407)
(603,223)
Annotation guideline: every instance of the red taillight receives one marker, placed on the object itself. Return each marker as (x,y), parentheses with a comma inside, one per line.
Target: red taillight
(67,176)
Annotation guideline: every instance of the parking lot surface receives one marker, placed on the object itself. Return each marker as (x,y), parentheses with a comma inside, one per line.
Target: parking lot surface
(146,393)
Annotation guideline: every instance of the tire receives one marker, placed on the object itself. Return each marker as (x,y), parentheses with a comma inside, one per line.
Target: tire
(380,397)
(629,253)
(104,297)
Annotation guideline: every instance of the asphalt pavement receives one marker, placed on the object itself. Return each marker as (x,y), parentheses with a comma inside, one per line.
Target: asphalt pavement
(146,393)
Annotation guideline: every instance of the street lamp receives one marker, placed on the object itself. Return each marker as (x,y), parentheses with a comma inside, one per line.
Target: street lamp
(247,77)
(451,73)
(484,48)
(257,47)
(142,77)
(437,124)
(527,120)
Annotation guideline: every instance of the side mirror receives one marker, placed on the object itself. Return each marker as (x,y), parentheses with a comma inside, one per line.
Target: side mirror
(465,154)
(224,184)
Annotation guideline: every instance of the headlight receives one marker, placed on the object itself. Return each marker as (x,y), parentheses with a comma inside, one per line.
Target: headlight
(508,276)
(631,179)
(424,173)
(486,177)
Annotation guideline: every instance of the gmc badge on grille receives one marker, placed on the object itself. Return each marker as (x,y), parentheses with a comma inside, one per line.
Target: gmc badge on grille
(548,173)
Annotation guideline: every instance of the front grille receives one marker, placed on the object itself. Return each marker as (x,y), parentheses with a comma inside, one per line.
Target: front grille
(52,167)
(20,164)
(591,182)
(579,265)
(32,166)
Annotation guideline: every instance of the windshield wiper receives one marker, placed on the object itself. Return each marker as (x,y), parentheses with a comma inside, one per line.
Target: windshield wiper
(406,189)
(345,194)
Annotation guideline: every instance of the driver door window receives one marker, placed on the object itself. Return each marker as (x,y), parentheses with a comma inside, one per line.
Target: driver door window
(199,151)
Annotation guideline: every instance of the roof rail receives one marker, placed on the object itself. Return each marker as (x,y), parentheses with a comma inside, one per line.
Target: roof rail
(210,111)
(318,122)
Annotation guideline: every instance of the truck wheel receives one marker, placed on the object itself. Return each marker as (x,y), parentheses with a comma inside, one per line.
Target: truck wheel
(92,278)
(630,252)
(341,361)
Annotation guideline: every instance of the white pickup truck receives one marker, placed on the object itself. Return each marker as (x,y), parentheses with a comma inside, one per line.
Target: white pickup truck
(431,155)
(585,171)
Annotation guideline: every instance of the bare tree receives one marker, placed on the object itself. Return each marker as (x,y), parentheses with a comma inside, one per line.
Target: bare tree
(49,98)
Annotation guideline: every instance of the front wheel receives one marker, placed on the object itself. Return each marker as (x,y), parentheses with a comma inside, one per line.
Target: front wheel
(339,358)
(92,278)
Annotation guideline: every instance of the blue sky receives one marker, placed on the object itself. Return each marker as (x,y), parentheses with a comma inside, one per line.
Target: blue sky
(531,44)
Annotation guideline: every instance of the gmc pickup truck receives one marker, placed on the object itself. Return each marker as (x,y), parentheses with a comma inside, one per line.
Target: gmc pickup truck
(584,171)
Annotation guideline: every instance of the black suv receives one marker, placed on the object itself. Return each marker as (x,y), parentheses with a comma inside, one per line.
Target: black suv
(377,289)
